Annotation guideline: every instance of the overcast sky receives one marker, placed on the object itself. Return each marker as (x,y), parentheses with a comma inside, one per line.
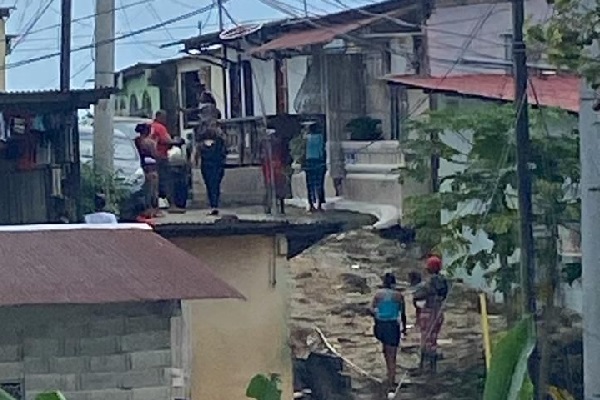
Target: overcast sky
(44,36)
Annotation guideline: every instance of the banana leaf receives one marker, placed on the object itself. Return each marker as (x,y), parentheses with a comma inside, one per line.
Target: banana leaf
(5,396)
(507,378)
(55,395)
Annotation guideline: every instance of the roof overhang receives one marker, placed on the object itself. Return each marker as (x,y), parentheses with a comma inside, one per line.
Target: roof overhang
(95,264)
(54,99)
(557,91)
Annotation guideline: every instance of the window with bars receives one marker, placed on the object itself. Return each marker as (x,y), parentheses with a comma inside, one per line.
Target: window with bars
(14,389)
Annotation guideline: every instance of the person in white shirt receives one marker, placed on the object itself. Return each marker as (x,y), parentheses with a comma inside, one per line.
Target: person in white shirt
(100,216)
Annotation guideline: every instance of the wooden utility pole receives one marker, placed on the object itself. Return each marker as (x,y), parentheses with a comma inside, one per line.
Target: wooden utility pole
(65,45)
(105,77)
(527,244)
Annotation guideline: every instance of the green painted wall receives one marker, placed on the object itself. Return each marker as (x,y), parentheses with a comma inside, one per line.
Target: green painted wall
(137,88)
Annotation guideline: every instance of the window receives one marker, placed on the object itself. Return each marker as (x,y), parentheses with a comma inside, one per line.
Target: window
(133,105)
(190,83)
(146,104)
(507,39)
(15,389)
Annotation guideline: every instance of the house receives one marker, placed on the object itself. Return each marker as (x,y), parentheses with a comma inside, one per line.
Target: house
(39,155)
(331,65)
(172,85)
(470,90)
(99,311)
(465,37)
(241,339)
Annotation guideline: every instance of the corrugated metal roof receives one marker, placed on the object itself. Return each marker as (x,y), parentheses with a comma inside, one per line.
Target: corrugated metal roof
(296,40)
(79,98)
(552,90)
(100,265)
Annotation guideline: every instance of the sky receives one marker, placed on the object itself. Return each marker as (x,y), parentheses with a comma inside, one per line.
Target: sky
(131,15)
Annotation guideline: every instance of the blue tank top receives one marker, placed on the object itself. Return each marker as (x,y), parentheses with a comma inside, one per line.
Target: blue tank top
(388,308)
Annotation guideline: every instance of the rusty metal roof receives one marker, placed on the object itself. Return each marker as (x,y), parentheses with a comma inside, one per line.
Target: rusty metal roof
(324,34)
(97,264)
(551,91)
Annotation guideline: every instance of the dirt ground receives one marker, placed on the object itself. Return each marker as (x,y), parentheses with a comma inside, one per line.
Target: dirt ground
(333,284)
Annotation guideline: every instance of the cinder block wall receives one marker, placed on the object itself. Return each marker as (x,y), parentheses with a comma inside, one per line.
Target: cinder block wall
(90,352)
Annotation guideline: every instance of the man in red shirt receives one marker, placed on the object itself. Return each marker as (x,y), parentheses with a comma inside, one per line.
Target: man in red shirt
(164,142)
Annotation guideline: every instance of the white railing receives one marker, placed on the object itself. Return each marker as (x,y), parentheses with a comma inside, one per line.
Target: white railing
(372,157)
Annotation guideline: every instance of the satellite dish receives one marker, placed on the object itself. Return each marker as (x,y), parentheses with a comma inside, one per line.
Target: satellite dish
(240,31)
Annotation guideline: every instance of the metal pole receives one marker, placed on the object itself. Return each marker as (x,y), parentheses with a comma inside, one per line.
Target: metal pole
(3,49)
(105,66)
(523,152)
(589,137)
(65,45)
(225,62)
(524,177)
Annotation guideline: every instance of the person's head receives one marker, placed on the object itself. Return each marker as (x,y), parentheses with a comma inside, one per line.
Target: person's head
(433,265)
(161,116)
(212,131)
(389,280)
(414,278)
(142,129)
(206,97)
(99,202)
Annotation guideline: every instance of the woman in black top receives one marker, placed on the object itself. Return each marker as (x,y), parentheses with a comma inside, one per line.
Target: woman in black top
(212,152)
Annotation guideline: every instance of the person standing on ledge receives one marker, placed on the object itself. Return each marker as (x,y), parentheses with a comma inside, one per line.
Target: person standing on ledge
(164,141)
(315,166)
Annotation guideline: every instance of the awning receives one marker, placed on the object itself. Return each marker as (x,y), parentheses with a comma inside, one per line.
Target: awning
(297,40)
(94,264)
(558,91)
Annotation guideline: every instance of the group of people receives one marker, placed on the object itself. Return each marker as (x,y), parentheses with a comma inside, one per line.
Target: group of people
(388,308)
(165,167)
(160,164)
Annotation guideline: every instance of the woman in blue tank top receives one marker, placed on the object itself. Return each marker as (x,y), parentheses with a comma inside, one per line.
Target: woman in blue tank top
(388,310)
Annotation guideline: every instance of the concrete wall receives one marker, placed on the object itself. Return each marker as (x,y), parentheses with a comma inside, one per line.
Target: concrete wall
(95,352)
(233,340)
(240,186)
(478,28)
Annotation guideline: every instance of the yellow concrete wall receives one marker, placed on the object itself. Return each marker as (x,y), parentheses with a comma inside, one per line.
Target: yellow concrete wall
(233,340)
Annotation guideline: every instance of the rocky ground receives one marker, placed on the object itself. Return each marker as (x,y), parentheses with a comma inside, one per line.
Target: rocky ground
(334,283)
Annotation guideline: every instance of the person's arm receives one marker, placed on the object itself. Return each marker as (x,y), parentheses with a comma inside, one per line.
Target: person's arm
(402,313)
(374,304)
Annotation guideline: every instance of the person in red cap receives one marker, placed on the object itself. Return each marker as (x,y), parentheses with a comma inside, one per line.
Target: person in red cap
(431,295)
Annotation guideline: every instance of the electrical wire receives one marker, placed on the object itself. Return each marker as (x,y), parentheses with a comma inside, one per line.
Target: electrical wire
(36,18)
(112,40)
(153,11)
(91,16)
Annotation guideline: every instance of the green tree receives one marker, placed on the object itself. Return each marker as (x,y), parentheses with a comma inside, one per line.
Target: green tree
(565,36)
(113,187)
(479,197)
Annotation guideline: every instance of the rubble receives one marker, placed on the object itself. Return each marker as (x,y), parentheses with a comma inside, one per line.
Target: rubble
(330,294)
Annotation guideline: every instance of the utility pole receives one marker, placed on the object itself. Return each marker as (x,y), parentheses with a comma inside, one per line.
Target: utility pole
(225,61)
(524,180)
(4,51)
(305,8)
(65,46)
(590,229)
(105,77)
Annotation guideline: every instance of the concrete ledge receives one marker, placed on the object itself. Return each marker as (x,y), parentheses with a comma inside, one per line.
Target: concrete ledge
(387,216)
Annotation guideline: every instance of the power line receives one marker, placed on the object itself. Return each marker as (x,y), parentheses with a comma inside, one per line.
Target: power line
(117,38)
(90,16)
(36,18)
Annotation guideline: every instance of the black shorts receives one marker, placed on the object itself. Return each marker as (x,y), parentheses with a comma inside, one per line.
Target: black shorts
(388,332)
